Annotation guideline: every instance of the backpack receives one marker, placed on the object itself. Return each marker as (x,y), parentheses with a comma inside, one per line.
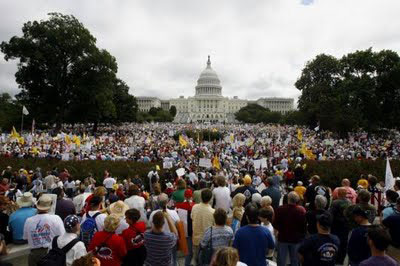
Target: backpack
(57,256)
(89,228)
(138,240)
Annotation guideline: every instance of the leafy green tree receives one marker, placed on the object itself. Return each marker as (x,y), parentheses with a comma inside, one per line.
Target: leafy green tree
(172,110)
(252,113)
(163,116)
(10,112)
(64,77)
(362,89)
(154,110)
(126,106)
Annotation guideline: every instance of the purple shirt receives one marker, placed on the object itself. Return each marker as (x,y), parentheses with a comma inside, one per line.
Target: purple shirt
(379,260)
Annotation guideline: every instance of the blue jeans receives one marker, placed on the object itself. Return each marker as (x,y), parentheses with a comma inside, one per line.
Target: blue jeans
(188,258)
(284,249)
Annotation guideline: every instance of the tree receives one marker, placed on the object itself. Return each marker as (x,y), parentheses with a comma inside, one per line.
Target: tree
(10,112)
(254,113)
(172,110)
(154,110)
(362,89)
(64,77)
(126,106)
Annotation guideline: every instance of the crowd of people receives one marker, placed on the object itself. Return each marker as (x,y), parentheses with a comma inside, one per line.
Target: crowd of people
(234,200)
(154,142)
(251,219)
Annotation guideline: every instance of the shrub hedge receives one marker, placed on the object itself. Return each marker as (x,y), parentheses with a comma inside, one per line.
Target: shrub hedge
(205,134)
(331,172)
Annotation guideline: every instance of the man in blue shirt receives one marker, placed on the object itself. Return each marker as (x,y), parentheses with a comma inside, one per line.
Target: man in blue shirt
(17,219)
(253,241)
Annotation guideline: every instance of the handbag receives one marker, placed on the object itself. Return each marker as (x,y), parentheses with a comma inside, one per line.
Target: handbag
(206,253)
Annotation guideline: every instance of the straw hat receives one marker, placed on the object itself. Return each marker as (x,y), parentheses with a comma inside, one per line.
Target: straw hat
(118,208)
(44,203)
(111,223)
(26,200)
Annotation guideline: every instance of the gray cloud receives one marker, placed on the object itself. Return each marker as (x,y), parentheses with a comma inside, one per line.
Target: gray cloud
(257,49)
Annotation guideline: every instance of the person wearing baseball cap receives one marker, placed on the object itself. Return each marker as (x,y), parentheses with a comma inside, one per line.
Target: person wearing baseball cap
(72,228)
(321,248)
(247,190)
(18,218)
(357,247)
(40,229)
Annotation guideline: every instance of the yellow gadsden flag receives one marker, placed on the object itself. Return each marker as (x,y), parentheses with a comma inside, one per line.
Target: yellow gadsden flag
(299,134)
(182,141)
(307,152)
(67,139)
(215,162)
(14,134)
(76,140)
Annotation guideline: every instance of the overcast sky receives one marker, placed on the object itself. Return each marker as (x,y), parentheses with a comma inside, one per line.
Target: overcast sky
(258,48)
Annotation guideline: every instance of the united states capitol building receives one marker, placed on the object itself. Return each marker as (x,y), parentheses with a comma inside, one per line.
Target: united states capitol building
(208,104)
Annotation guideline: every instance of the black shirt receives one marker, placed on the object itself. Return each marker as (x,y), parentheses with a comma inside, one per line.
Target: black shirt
(392,222)
(319,250)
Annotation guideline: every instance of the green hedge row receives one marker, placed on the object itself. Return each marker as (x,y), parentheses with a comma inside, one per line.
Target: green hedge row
(331,172)
(205,134)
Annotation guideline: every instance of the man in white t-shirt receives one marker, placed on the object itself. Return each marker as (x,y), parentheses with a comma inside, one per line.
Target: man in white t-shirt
(153,178)
(222,195)
(109,182)
(137,202)
(40,229)
(162,202)
(72,228)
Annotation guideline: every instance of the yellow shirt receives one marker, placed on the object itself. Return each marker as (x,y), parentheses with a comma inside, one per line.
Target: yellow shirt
(363,182)
(300,190)
(202,218)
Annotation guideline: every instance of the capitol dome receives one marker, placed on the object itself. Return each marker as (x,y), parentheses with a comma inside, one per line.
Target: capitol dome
(208,82)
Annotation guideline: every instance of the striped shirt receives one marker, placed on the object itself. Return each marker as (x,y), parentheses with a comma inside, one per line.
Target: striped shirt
(159,248)
(221,237)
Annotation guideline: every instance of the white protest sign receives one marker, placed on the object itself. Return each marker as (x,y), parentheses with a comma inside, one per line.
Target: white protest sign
(257,164)
(204,162)
(65,157)
(180,172)
(264,163)
(167,165)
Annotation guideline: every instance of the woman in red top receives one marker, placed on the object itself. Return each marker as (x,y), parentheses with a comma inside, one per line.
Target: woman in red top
(134,240)
(107,246)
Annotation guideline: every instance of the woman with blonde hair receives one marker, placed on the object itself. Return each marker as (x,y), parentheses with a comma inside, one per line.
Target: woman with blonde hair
(266,202)
(109,247)
(237,211)
(226,256)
